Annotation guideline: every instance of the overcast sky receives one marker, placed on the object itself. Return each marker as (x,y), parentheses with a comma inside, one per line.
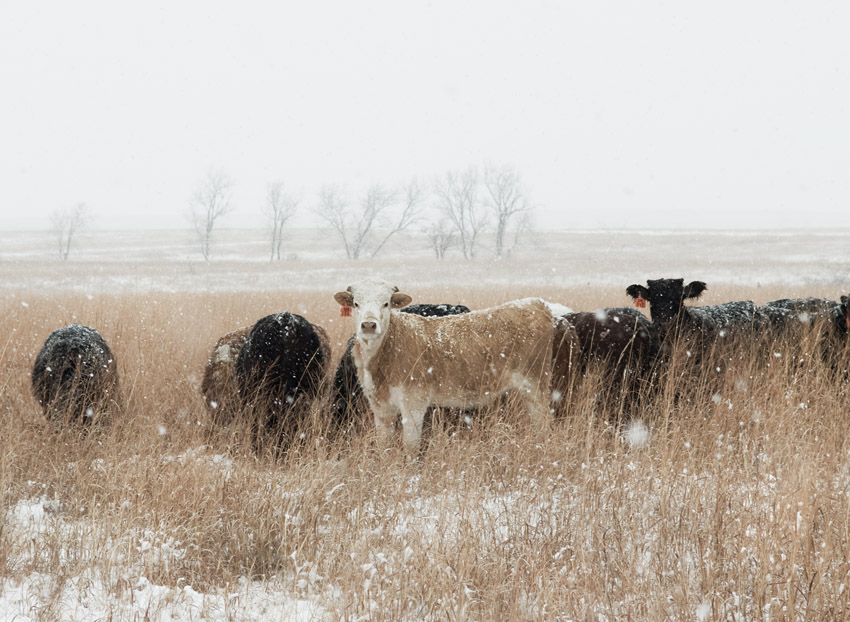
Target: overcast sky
(617,114)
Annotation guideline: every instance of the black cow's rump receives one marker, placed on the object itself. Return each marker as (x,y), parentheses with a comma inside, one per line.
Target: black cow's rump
(280,370)
(74,377)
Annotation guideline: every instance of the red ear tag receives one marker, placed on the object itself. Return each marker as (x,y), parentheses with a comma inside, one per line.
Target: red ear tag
(345,311)
(640,302)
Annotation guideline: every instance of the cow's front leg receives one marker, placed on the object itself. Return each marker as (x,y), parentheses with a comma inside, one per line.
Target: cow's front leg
(385,418)
(411,427)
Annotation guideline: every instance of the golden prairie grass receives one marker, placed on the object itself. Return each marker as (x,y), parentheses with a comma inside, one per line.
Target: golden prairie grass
(732,506)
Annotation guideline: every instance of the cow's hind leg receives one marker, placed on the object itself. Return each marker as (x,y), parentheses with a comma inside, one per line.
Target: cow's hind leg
(537,406)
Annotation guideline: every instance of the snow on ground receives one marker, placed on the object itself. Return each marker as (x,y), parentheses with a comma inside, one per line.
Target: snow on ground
(144,261)
(532,510)
(167,261)
(85,598)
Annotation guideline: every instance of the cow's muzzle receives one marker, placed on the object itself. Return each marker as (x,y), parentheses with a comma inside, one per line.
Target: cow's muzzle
(369,327)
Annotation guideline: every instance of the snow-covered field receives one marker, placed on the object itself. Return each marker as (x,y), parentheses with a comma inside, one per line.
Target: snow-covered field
(732,512)
(104,261)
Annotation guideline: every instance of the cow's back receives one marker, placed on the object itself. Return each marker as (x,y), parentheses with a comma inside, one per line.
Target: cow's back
(459,360)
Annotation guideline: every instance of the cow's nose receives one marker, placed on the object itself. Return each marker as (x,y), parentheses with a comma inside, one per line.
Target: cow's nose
(368,328)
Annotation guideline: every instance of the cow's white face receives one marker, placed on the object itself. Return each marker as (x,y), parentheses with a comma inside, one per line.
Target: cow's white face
(371,300)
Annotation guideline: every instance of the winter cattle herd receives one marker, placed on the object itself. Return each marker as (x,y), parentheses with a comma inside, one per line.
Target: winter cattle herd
(404,360)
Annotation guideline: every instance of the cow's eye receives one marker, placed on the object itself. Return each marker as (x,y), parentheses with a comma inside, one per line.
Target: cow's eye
(356,306)
(386,304)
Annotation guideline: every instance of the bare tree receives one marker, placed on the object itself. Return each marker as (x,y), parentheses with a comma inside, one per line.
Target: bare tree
(210,202)
(457,198)
(333,209)
(441,237)
(507,200)
(281,207)
(66,222)
(412,199)
(366,228)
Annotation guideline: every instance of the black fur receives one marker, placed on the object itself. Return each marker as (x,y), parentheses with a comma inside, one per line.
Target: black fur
(621,342)
(279,371)
(74,377)
(666,298)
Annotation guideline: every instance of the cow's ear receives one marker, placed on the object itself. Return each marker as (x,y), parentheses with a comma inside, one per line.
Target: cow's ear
(400,300)
(845,300)
(345,299)
(637,291)
(694,289)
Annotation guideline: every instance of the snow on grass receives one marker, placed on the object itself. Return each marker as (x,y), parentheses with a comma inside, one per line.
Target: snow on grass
(36,525)
(86,598)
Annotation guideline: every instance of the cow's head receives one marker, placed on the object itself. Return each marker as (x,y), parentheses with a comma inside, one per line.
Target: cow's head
(666,297)
(845,311)
(372,300)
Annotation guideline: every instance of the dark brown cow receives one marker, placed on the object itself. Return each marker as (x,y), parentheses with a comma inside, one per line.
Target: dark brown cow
(219,386)
(619,342)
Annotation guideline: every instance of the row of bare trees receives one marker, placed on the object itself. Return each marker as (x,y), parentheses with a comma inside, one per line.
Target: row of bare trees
(455,211)
(466,205)
(366,226)
(213,200)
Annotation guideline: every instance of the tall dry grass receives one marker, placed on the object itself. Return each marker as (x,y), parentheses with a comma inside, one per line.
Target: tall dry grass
(733,505)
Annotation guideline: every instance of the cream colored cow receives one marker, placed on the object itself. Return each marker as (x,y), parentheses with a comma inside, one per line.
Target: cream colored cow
(407,363)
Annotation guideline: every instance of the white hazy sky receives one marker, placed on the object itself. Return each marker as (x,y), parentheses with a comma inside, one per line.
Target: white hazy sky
(617,114)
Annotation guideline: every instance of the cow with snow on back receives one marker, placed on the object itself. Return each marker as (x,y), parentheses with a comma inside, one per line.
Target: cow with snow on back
(348,404)
(406,363)
(75,378)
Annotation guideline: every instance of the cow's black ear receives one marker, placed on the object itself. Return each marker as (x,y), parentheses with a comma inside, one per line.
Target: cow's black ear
(637,291)
(694,289)
(845,300)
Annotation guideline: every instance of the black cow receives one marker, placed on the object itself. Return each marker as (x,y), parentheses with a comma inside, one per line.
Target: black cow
(75,378)
(845,313)
(620,342)
(790,313)
(348,404)
(279,371)
(670,316)
(793,319)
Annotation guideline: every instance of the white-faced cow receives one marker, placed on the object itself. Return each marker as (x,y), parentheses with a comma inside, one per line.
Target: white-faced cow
(74,377)
(280,371)
(407,363)
(348,404)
